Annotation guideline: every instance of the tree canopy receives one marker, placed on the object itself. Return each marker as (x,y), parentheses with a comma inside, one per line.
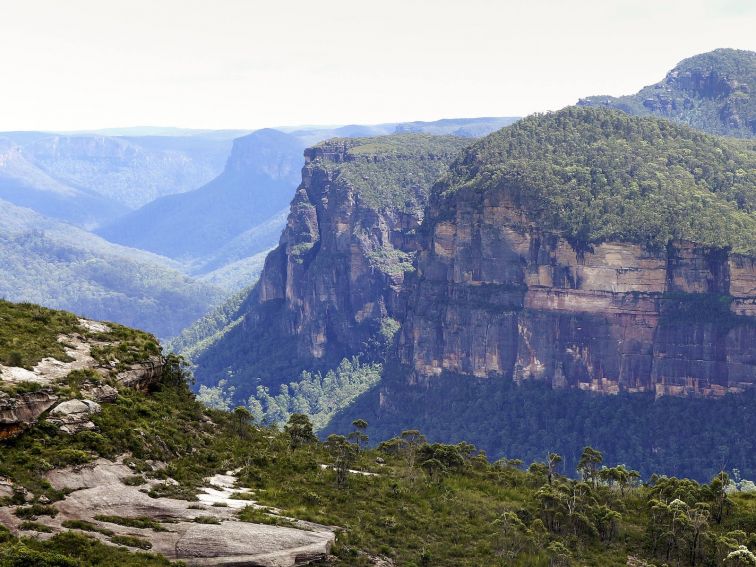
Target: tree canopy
(596,175)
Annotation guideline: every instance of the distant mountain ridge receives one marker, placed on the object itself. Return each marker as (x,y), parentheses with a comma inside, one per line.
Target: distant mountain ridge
(712,91)
(89,180)
(23,183)
(58,265)
(130,171)
(257,183)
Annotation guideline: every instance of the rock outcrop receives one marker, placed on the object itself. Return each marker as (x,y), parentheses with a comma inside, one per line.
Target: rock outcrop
(73,416)
(711,91)
(331,287)
(20,409)
(197,533)
(141,375)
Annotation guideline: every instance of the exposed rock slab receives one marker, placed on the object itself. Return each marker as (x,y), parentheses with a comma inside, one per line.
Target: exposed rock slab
(21,410)
(50,369)
(98,489)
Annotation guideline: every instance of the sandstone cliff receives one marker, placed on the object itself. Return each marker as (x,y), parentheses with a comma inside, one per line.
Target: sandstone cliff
(521,267)
(331,287)
(495,298)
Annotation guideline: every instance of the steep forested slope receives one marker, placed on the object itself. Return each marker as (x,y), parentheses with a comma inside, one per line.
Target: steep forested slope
(595,175)
(58,265)
(711,91)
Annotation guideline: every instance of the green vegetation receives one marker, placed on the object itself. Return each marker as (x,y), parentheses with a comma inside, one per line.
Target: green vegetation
(142,523)
(71,549)
(318,396)
(395,172)
(262,516)
(86,526)
(29,333)
(529,420)
(35,510)
(390,260)
(711,91)
(448,505)
(131,541)
(431,504)
(210,328)
(28,526)
(596,175)
(207,520)
(63,267)
(134,480)
(218,397)
(124,345)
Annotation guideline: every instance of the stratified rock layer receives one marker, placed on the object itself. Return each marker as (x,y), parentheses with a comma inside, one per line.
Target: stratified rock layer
(495,295)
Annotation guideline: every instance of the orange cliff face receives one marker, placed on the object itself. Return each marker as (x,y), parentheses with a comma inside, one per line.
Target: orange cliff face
(478,289)
(494,295)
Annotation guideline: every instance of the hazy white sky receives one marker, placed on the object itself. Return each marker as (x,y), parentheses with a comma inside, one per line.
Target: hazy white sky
(76,64)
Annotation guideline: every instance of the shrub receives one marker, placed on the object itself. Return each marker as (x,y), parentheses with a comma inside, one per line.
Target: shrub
(131,541)
(35,510)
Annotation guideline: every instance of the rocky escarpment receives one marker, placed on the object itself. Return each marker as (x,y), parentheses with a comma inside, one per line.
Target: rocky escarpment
(527,270)
(19,411)
(712,91)
(102,442)
(332,285)
(546,253)
(492,299)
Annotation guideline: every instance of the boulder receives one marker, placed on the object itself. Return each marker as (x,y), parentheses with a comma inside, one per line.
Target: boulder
(21,411)
(73,415)
(103,393)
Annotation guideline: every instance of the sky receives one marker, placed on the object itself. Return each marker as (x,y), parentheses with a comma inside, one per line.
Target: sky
(86,64)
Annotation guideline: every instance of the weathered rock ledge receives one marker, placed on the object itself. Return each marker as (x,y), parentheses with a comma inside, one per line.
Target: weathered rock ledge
(21,409)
